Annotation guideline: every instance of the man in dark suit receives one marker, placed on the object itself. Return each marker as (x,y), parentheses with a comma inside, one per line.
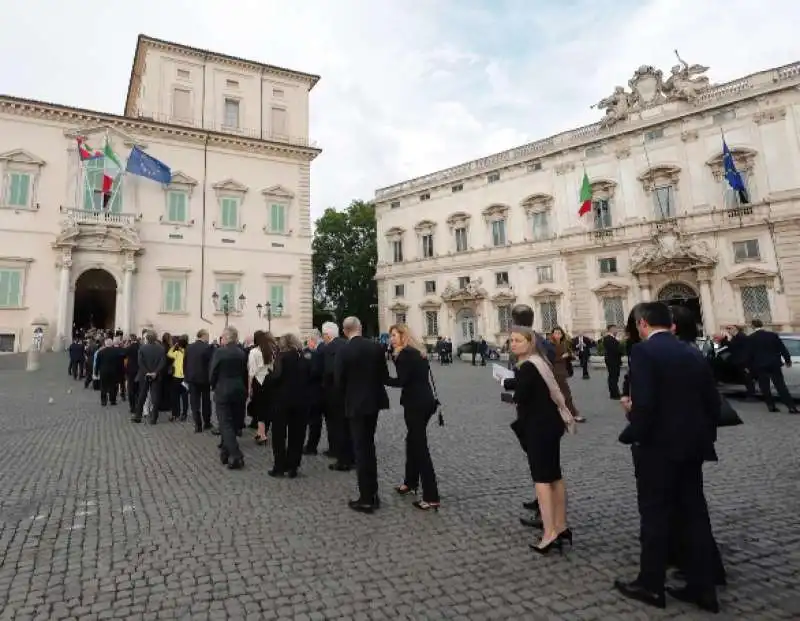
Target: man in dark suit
(741,357)
(196,373)
(314,353)
(152,359)
(228,379)
(673,413)
(109,361)
(340,442)
(767,355)
(582,345)
(132,371)
(612,354)
(361,375)
(76,352)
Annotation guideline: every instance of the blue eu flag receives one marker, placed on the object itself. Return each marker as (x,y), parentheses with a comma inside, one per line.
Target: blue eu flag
(143,165)
(732,176)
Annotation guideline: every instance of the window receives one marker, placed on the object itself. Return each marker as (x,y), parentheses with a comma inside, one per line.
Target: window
(184,74)
(427,245)
(544,274)
(232,113)
(277,299)
(463,282)
(394,205)
(278,121)
(231,84)
(228,288)
(602,214)
(229,213)
(755,303)
(182,104)
(501,279)
(493,177)
(461,239)
(504,318)
(548,311)
(653,134)
(177,206)
(277,218)
(277,93)
(94,199)
(397,251)
(457,188)
(18,189)
(534,166)
(430,286)
(746,250)
(431,323)
(400,318)
(540,225)
(608,266)
(10,288)
(425,196)
(613,311)
(399,291)
(499,233)
(733,199)
(173,296)
(664,202)
(7,343)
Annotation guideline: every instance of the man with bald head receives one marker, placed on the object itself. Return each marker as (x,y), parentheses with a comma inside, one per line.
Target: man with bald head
(361,375)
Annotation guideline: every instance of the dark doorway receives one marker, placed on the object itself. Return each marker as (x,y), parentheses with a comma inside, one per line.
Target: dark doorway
(680,294)
(95,300)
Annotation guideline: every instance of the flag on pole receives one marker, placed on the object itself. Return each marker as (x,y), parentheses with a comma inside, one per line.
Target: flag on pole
(108,174)
(732,176)
(144,165)
(586,196)
(85,151)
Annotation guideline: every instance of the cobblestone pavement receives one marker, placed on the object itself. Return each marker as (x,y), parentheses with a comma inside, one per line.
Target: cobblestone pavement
(103,519)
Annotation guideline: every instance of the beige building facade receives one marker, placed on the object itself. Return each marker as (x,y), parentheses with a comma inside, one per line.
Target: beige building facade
(234,220)
(458,247)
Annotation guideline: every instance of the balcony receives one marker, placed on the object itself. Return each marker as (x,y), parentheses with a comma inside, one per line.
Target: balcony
(83,216)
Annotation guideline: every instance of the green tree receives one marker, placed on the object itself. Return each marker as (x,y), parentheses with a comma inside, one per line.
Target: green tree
(344,260)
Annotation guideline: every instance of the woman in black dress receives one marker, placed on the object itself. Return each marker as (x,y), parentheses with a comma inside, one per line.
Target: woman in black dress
(260,362)
(543,416)
(419,405)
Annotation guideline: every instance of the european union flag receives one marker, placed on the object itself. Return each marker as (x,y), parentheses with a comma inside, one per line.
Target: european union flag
(143,165)
(732,176)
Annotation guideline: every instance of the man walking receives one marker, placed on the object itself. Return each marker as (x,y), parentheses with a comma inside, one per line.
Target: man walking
(196,370)
(767,354)
(340,443)
(152,360)
(228,379)
(612,353)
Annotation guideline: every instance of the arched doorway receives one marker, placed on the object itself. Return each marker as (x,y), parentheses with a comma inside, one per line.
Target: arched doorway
(466,328)
(95,300)
(681,294)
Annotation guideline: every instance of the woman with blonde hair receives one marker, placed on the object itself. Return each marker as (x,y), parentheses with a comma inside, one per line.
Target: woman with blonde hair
(543,417)
(419,405)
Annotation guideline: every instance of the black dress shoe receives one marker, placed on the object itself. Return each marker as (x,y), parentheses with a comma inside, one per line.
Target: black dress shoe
(292,474)
(223,458)
(774,410)
(361,506)
(719,581)
(532,522)
(634,590)
(236,464)
(340,467)
(275,473)
(706,600)
(136,419)
(533,505)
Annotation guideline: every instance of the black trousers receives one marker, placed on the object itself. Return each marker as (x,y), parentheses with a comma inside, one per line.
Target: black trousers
(774,376)
(288,437)
(613,380)
(363,429)
(341,436)
(228,417)
(668,491)
(108,389)
(75,368)
(200,400)
(180,398)
(584,360)
(419,466)
(315,417)
(133,393)
(153,388)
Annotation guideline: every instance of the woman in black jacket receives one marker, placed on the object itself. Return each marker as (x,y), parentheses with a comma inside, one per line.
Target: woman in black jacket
(419,405)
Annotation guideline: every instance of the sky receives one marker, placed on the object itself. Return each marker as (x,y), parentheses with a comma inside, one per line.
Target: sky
(408,87)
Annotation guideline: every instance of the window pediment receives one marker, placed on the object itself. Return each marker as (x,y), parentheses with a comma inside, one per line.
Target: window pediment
(425,226)
(230,186)
(610,289)
(504,297)
(457,219)
(750,276)
(743,158)
(495,212)
(398,307)
(546,292)
(660,174)
(536,203)
(603,189)
(23,157)
(278,191)
(430,304)
(395,233)
(180,178)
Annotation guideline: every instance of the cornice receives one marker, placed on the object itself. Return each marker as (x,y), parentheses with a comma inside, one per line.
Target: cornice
(79,117)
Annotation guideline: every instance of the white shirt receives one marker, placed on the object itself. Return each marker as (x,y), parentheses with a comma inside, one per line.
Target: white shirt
(256,367)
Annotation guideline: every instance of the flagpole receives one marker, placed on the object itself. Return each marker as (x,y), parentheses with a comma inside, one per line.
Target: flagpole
(652,177)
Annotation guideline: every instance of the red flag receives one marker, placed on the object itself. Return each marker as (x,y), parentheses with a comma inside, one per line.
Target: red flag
(85,151)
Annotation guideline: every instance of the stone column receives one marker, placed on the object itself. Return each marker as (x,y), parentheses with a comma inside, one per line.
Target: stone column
(704,277)
(63,331)
(127,294)
(645,290)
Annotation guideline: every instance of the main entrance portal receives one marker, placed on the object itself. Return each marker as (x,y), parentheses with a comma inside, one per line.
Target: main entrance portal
(95,300)
(465,326)
(680,294)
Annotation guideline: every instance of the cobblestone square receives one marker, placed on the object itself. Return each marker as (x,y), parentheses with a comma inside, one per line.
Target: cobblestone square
(100,518)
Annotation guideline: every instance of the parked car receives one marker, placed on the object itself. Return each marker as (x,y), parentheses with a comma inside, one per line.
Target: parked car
(727,376)
(465,349)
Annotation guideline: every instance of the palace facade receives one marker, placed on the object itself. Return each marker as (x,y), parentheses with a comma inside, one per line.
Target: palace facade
(233,222)
(458,247)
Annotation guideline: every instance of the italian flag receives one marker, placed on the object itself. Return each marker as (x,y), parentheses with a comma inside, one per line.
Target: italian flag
(586,195)
(85,151)
(108,179)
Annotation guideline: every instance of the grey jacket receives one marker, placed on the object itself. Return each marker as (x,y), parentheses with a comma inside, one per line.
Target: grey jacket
(152,359)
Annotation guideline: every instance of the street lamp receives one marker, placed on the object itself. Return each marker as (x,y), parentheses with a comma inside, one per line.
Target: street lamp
(266,311)
(226,305)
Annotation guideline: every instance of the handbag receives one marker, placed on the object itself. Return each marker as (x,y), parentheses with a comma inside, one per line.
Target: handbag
(437,404)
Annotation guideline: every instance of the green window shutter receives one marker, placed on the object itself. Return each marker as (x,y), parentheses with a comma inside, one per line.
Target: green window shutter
(93,185)
(173,296)
(177,207)
(278,219)
(115,205)
(10,288)
(229,289)
(5,277)
(229,215)
(276,296)
(19,188)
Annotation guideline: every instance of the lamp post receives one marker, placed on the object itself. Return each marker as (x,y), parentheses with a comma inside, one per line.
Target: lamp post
(265,310)
(226,305)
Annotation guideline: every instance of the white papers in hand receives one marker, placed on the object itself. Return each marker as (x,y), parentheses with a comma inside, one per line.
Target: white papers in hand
(500,373)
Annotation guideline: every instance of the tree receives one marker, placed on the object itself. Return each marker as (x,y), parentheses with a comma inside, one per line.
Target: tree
(344,260)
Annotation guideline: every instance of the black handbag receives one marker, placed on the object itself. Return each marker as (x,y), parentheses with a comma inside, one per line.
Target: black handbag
(437,408)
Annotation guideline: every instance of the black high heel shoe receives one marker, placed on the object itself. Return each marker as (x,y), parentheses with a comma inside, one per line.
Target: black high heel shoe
(544,550)
(405,490)
(566,535)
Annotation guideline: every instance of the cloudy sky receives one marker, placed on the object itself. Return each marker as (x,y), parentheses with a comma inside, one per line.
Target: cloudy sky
(408,87)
